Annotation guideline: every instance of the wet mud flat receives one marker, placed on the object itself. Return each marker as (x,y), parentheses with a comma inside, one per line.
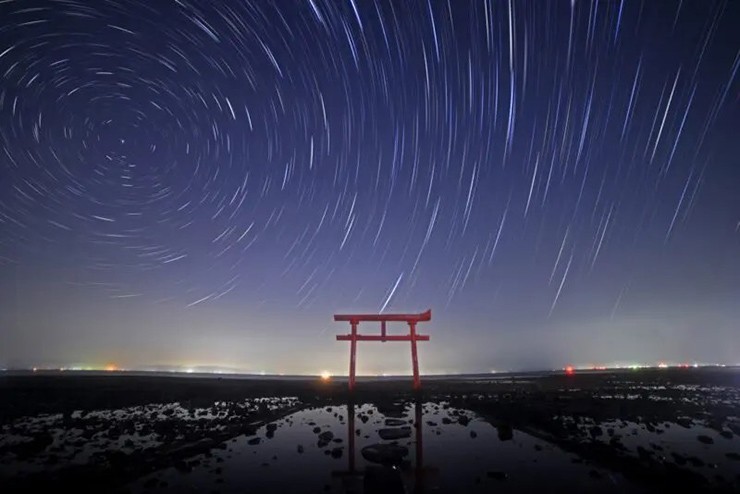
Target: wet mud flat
(632,431)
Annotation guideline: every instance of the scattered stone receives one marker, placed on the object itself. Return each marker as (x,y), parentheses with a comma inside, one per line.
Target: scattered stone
(473,434)
(254,441)
(300,448)
(395,433)
(337,452)
(733,456)
(326,436)
(705,439)
(316,430)
(505,432)
(394,422)
(385,454)
(726,434)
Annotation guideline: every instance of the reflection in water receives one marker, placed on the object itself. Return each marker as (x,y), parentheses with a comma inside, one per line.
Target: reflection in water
(389,447)
(388,475)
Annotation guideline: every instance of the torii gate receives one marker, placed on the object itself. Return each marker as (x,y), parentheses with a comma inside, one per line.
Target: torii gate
(354,337)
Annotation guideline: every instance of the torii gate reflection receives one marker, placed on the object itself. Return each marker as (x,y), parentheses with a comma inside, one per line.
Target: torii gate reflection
(411,319)
(420,471)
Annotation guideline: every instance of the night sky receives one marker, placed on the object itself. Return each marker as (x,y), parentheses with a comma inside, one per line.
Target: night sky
(205,183)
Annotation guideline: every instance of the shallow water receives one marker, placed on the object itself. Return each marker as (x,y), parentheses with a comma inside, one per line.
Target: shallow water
(452,457)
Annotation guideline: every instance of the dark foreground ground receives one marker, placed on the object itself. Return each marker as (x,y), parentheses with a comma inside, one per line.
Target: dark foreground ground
(621,431)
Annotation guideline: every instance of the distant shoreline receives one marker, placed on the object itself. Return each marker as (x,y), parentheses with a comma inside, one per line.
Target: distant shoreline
(309,377)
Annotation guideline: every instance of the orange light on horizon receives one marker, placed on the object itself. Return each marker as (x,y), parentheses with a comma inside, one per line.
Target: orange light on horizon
(325,375)
(111,367)
(569,370)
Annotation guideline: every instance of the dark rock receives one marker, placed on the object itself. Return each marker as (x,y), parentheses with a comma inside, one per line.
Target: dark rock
(733,456)
(685,422)
(463,420)
(326,436)
(431,424)
(395,433)
(446,420)
(337,452)
(394,422)
(271,427)
(726,434)
(705,439)
(254,441)
(385,454)
(316,430)
(596,431)
(473,434)
(300,448)
(505,432)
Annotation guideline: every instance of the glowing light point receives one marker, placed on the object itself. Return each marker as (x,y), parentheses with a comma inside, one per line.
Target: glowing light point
(111,367)
(569,370)
(325,375)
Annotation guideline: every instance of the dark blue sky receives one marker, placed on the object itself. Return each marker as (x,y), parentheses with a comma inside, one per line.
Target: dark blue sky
(207,182)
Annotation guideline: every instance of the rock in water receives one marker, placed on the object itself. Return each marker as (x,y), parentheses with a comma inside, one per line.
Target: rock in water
(385,454)
(505,432)
(326,436)
(395,433)
(705,439)
(394,422)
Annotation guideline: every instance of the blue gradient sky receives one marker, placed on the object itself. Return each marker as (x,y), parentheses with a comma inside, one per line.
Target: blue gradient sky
(206,183)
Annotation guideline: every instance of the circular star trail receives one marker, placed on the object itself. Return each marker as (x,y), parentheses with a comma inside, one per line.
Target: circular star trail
(545,159)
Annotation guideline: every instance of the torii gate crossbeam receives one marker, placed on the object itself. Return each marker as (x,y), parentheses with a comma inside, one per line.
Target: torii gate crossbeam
(354,321)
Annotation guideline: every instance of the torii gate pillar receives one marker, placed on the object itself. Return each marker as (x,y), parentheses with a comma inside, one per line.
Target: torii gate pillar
(411,319)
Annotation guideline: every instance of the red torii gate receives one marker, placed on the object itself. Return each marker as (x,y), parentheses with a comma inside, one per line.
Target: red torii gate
(411,319)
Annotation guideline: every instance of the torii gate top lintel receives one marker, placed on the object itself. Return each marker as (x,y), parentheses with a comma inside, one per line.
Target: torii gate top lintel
(412,336)
(423,316)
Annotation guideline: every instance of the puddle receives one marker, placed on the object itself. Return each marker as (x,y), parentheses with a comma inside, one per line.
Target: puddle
(312,451)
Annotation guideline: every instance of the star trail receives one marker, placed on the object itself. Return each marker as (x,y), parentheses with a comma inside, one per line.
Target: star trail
(207,182)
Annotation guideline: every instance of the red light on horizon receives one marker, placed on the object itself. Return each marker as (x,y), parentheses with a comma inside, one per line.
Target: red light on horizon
(569,370)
